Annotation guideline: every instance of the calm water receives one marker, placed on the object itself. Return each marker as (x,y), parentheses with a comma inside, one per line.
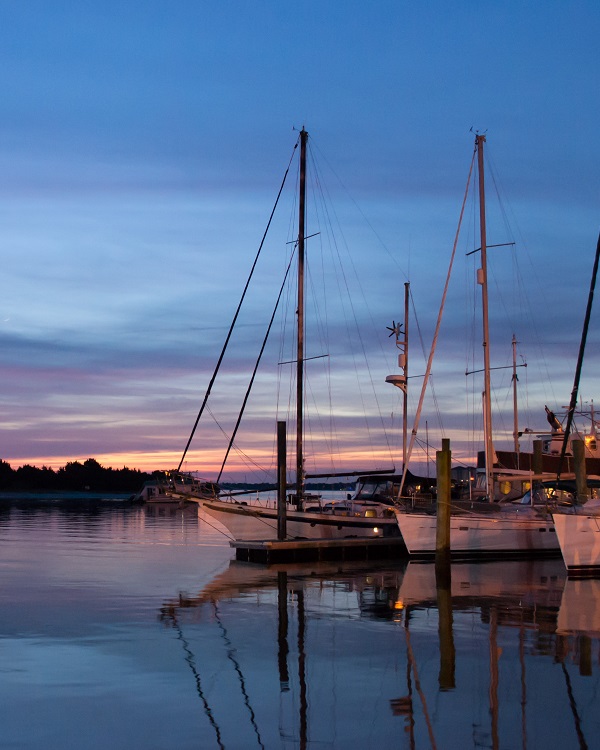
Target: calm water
(126,627)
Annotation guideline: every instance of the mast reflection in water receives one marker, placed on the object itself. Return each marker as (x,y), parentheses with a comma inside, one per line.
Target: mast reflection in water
(127,627)
(388,655)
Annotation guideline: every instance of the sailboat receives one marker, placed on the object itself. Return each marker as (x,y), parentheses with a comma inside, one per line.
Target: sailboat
(502,529)
(307,517)
(579,538)
(579,531)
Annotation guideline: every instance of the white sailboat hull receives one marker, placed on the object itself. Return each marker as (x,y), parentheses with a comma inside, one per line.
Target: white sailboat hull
(254,523)
(493,534)
(579,538)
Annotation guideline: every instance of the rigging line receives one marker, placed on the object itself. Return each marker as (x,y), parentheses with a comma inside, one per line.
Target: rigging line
(474,408)
(320,303)
(574,392)
(236,666)
(321,308)
(361,212)
(522,302)
(329,447)
(419,689)
(251,383)
(216,528)
(422,342)
(514,286)
(235,317)
(329,433)
(189,658)
(343,276)
(282,354)
(499,414)
(365,360)
(573,705)
(437,328)
(432,385)
(436,405)
(249,460)
(252,464)
(470,316)
(286,339)
(526,297)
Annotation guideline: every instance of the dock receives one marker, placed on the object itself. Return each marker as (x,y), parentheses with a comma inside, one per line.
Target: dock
(308,550)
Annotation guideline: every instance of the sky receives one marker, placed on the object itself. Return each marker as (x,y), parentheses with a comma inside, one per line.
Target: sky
(142,145)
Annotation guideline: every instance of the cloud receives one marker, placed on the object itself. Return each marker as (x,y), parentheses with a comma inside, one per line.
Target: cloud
(143,148)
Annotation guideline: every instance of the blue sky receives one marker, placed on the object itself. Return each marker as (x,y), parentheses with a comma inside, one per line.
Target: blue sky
(142,146)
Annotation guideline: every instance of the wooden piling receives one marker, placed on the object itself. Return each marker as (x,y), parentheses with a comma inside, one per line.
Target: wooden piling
(446,677)
(282,636)
(442,537)
(585,655)
(281,481)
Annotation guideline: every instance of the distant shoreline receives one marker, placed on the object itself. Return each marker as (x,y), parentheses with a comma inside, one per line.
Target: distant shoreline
(89,478)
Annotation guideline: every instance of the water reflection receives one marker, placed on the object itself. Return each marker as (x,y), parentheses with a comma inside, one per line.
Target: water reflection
(341,655)
(126,627)
(580,608)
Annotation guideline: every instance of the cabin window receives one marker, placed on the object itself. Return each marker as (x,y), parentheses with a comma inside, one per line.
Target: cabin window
(505,487)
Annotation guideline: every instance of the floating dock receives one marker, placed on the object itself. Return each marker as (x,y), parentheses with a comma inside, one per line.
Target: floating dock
(309,550)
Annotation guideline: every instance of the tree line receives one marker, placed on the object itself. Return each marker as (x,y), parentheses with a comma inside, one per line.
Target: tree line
(90,476)
(75,476)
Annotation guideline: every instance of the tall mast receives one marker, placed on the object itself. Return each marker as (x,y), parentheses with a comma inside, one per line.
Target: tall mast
(405,393)
(515,401)
(300,330)
(401,381)
(435,338)
(482,279)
